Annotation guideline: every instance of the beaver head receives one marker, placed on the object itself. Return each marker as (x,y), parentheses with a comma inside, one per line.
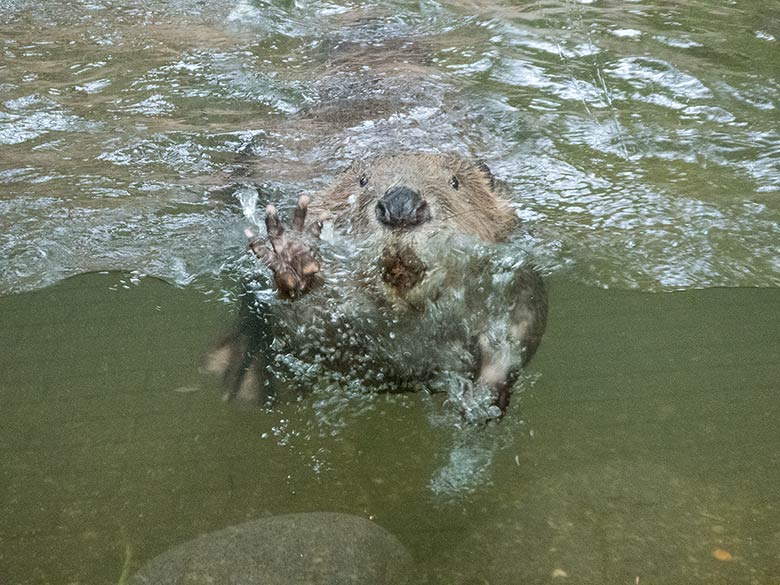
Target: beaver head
(402,204)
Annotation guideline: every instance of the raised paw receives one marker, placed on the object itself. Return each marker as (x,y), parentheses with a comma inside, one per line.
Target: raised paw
(294,263)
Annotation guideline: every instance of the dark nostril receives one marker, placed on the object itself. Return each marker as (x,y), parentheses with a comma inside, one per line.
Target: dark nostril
(402,207)
(422,213)
(381,213)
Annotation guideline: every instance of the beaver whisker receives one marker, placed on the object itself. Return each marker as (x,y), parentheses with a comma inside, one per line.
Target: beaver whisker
(454,215)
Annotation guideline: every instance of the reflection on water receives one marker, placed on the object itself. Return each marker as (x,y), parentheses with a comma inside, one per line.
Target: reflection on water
(640,139)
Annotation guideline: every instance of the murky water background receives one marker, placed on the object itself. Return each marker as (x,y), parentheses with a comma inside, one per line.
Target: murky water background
(642,143)
(648,442)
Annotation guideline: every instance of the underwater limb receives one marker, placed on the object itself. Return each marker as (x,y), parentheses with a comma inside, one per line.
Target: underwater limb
(241,356)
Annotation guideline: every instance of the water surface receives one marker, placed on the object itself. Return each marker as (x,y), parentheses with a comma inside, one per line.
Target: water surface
(640,139)
(641,143)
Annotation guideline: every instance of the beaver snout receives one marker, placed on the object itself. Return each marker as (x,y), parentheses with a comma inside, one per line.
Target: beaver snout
(402,207)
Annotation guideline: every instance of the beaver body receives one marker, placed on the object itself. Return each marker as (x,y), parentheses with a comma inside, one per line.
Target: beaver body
(402,274)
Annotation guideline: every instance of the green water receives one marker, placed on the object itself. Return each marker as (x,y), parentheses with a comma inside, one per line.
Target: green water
(640,141)
(648,442)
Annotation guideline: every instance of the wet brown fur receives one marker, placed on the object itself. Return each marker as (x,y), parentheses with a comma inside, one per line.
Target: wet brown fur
(462,198)
(473,207)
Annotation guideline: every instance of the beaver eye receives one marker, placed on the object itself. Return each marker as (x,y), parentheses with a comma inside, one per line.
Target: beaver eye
(454,183)
(363,180)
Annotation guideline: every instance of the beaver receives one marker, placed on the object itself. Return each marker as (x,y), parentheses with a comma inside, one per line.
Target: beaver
(401,274)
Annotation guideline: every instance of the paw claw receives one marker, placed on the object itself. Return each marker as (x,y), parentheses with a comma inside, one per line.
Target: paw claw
(299,216)
(310,268)
(288,281)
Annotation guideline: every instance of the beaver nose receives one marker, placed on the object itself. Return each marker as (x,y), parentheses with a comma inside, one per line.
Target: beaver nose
(402,207)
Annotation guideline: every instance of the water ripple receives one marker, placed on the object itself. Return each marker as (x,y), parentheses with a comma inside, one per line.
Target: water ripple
(31,116)
(640,145)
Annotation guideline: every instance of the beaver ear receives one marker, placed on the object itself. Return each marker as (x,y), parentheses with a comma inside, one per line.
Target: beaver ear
(482,166)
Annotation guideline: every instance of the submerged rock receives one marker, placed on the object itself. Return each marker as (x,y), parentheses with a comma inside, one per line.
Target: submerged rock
(295,549)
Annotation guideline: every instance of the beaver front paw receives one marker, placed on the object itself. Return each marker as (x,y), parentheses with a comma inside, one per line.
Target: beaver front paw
(294,263)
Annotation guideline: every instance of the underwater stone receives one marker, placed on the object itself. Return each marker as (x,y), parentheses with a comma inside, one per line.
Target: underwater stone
(294,549)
